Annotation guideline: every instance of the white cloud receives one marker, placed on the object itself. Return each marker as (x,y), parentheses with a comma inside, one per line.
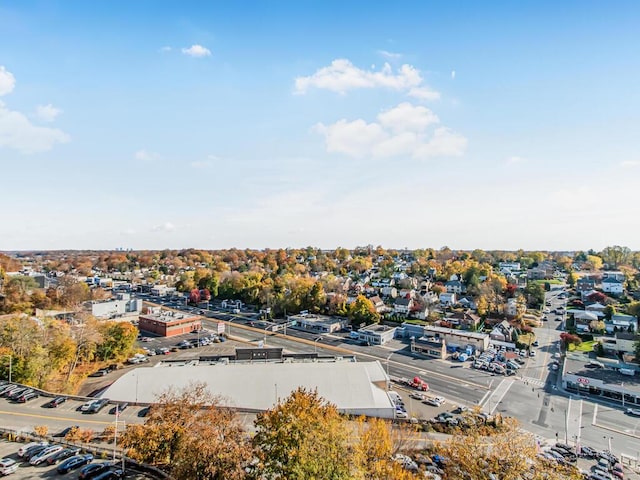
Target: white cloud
(145,155)
(513,160)
(47,113)
(342,76)
(630,163)
(165,227)
(18,133)
(197,51)
(453,74)
(7,81)
(424,93)
(407,117)
(352,138)
(389,55)
(399,131)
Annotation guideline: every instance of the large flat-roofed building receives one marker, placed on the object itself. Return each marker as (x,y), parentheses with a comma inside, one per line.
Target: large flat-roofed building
(168,323)
(602,379)
(121,305)
(459,339)
(356,388)
(317,323)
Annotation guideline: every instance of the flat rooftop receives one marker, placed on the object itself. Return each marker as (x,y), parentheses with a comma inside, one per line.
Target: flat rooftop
(578,366)
(357,388)
(168,316)
(376,328)
(453,331)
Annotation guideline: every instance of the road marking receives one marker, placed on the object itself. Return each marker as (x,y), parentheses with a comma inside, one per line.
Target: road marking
(481,402)
(595,414)
(499,393)
(74,420)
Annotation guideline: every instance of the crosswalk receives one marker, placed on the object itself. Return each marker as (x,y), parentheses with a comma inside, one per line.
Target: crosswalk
(534,382)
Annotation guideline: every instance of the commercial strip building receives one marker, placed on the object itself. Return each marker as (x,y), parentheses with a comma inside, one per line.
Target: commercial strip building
(316,323)
(356,388)
(168,323)
(602,379)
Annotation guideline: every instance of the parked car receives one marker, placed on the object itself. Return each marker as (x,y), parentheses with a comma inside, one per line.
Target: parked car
(26,397)
(110,474)
(33,451)
(74,462)
(22,450)
(85,406)
(635,412)
(62,455)
(93,470)
(8,466)
(98,405)
(45,454)
(144,411)
(119,408)
(54,403)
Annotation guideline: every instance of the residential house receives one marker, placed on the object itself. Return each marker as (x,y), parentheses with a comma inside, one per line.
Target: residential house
(503,332)
(621,322)
(509,266)
(466,320)
(583,319)
(420,311)
(454,286)
(447,299)
(407,293)
(511,307)
(537,274)
(595,307)
(584,284)
(612,286)
(430,297)
(402,305)
(467,302)
(378,304)
(389,291)
(614,274)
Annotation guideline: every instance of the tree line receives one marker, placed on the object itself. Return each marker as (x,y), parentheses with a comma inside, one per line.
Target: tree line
(190,434)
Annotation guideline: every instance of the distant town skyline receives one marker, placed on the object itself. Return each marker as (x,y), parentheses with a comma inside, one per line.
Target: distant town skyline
(419,124)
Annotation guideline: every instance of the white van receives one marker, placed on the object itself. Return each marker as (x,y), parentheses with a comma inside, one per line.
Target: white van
(8,466)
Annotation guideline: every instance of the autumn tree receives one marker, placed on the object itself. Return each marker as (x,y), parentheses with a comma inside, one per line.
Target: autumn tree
(303,437)
(191,435)
(509,455)
(362,310)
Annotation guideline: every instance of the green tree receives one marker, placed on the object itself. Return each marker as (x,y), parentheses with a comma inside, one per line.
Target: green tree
(303,437)
(609,311)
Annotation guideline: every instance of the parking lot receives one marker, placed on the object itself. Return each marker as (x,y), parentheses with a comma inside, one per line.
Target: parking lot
(27,471)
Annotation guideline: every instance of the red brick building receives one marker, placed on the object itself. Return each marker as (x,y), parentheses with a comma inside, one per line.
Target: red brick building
(169,323)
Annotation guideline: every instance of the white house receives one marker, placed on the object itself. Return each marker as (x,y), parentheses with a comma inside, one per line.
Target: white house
(612,285)
(447,298)
(402,305)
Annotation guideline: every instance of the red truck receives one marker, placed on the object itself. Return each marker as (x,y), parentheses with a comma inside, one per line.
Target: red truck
(419,384)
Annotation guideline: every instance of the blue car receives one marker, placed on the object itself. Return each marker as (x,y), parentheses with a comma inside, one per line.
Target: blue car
(74,462)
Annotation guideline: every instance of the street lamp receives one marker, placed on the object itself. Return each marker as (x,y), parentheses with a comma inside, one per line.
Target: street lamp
(608,438)
(388,377)
(315,344)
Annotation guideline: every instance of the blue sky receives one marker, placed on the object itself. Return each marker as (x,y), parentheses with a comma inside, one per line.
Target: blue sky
(495,125)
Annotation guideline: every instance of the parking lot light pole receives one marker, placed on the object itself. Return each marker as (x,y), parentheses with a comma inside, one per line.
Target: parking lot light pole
(315,344)
(608,438)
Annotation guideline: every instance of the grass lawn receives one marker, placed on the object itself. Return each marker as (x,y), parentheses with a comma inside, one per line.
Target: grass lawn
(526,338)
(583,347)
(550,282)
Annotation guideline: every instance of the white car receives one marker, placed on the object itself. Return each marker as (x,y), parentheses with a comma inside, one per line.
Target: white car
(418,396)
(85,406)
(8,466)
(401,414)
(27,446)
(45,454)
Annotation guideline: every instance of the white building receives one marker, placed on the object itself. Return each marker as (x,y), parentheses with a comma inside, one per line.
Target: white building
(376,334)
(612,285)
(317,323)
(356,388)
(119,306)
